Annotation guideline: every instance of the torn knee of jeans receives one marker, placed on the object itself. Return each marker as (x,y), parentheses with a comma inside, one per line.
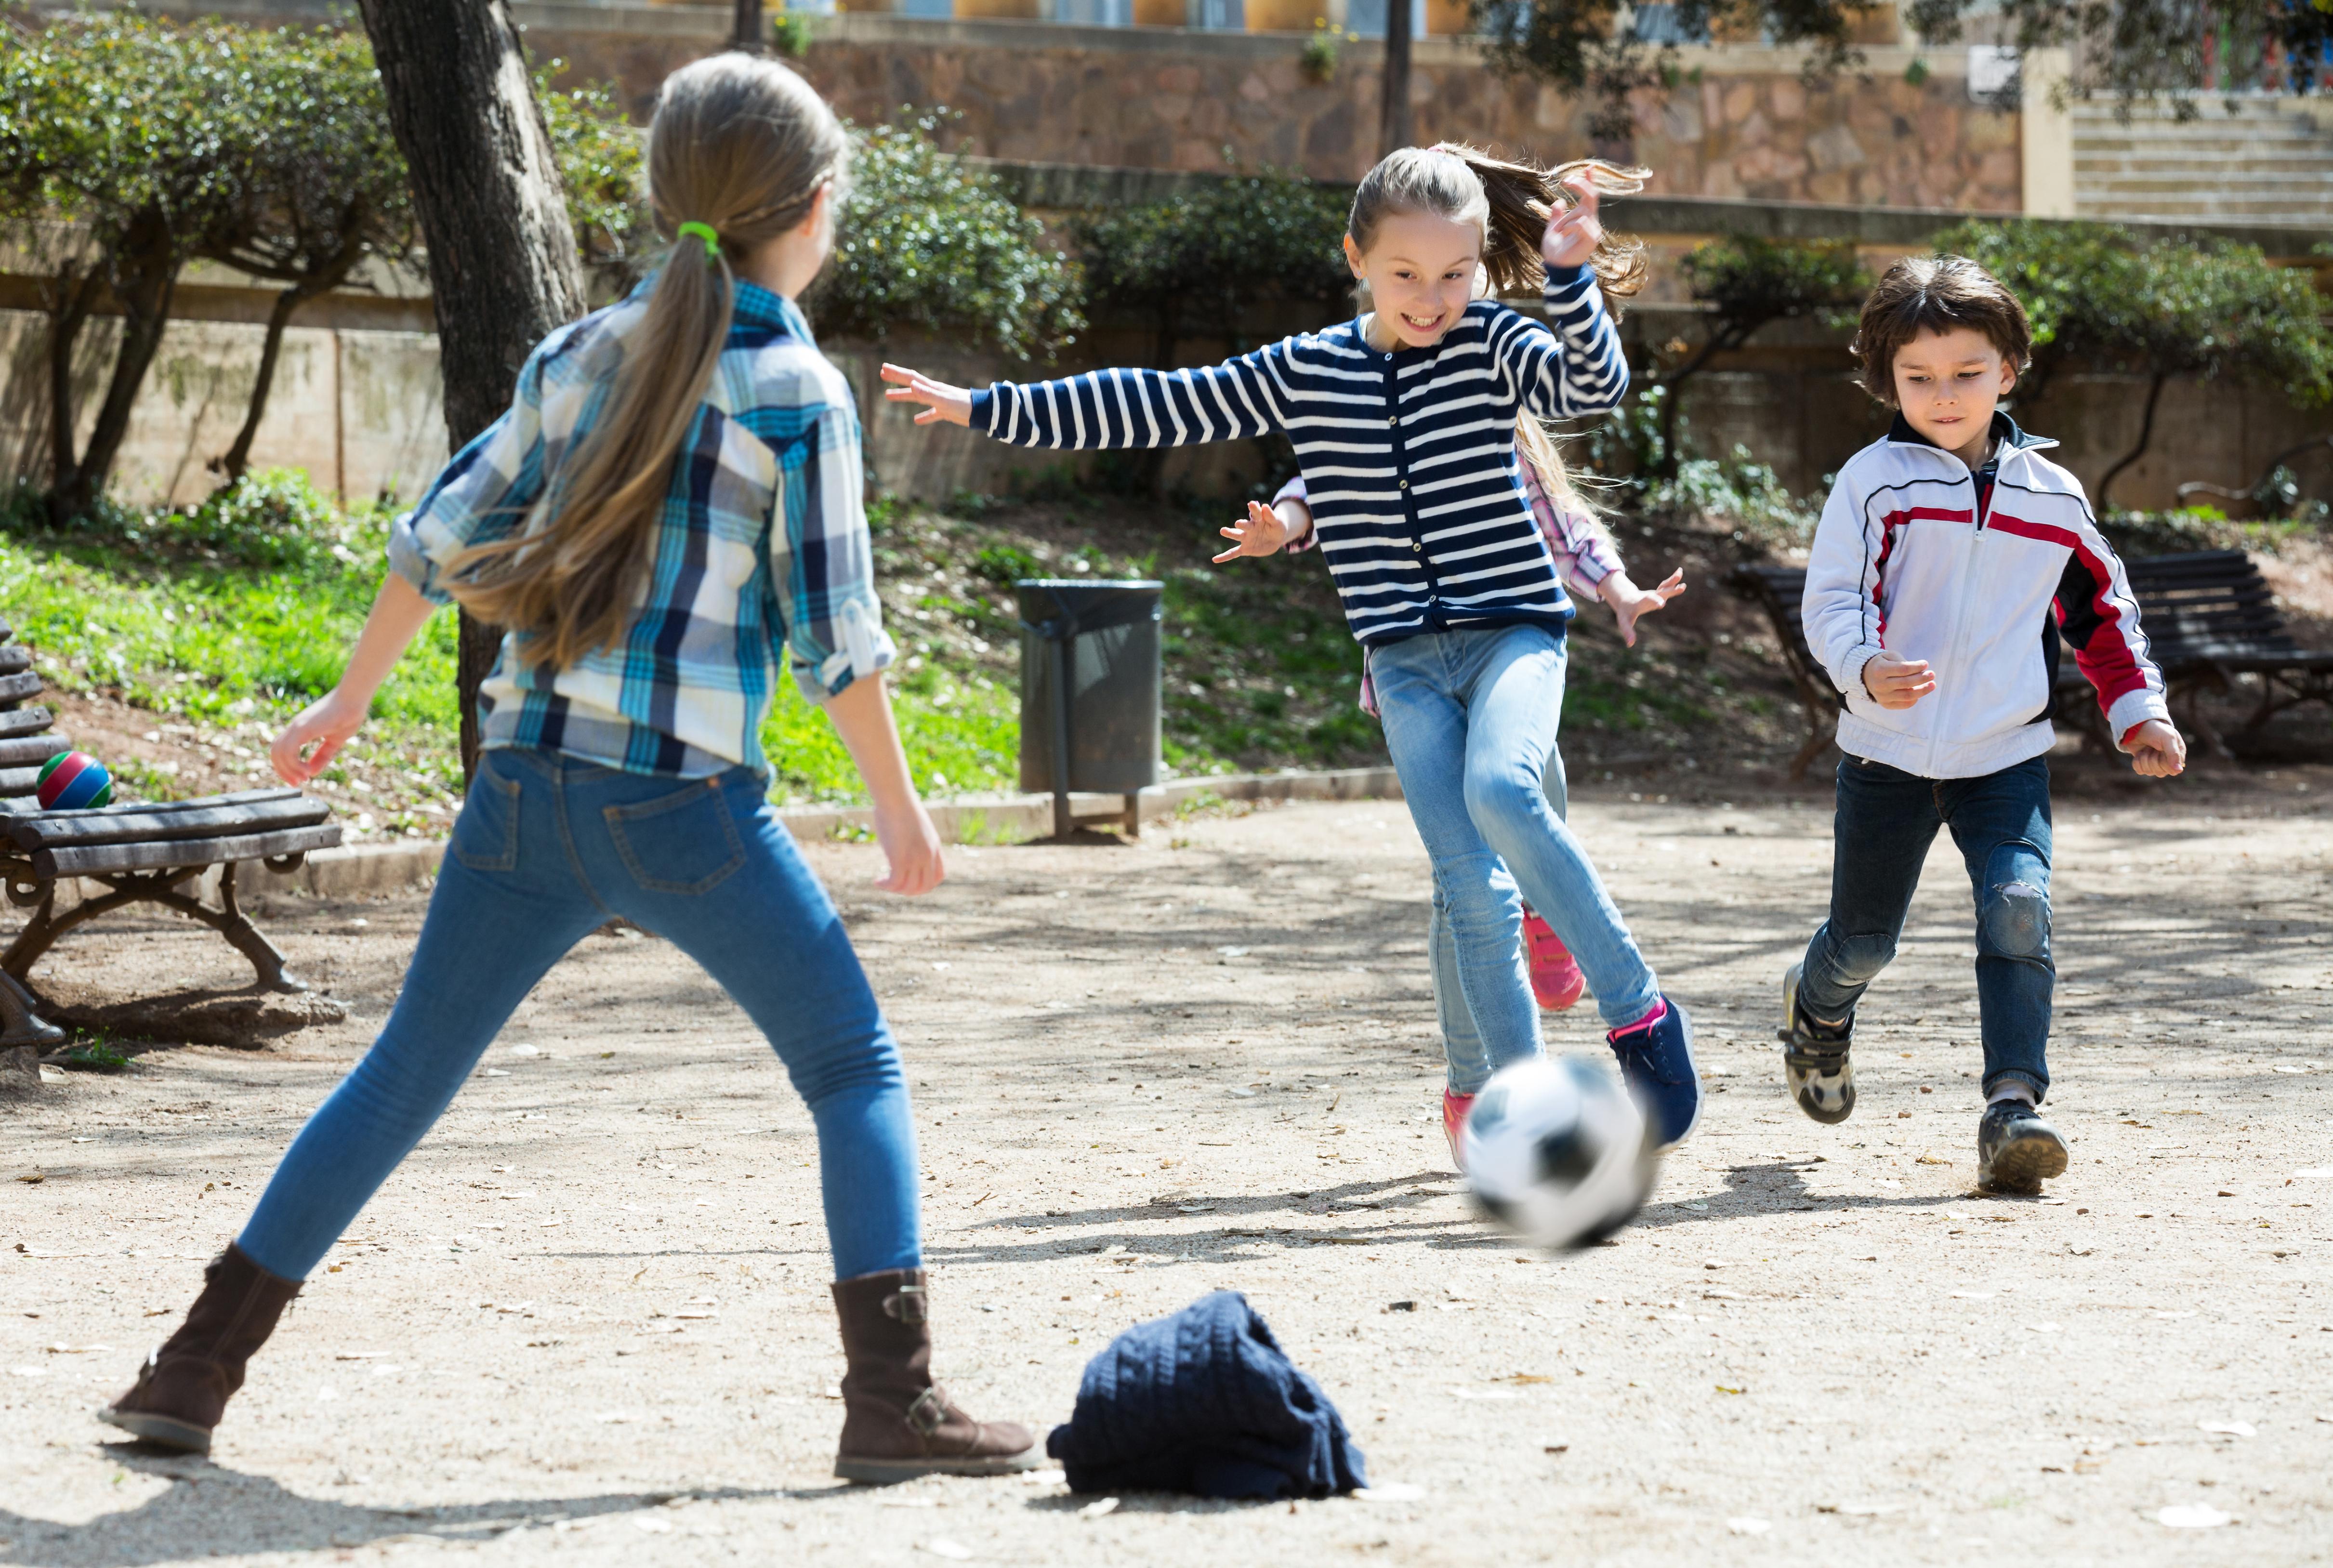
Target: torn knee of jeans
(2015,921)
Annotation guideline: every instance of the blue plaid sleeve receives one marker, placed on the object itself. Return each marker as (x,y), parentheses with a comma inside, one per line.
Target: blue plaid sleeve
(483,494)
(825,569)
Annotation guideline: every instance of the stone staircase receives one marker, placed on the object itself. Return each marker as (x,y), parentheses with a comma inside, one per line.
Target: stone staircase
(2258,161)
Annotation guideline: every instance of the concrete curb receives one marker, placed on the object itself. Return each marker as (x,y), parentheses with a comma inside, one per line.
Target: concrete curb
(1011,819)
(355,870)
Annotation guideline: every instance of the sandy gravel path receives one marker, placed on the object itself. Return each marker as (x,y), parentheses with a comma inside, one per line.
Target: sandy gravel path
(587,1321)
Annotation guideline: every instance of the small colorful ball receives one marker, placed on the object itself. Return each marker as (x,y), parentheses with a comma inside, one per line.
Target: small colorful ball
(75,781)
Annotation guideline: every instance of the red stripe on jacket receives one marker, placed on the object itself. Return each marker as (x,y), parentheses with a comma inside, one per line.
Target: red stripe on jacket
(2113,670)
(1888,524)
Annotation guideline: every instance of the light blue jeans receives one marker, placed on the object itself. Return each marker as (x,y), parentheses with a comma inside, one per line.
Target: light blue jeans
(1471,719)
(548,849)
(1468,1058)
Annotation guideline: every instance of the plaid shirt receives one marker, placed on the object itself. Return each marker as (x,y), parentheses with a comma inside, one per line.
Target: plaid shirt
(763,544)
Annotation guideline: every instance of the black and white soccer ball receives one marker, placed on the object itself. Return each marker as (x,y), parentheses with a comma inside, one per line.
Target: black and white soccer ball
(1556,1149)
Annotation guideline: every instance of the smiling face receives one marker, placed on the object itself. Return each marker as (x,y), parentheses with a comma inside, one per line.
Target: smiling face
(1947,384)
(1420,270)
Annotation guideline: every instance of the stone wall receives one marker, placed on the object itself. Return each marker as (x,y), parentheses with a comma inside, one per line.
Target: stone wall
(1743,123)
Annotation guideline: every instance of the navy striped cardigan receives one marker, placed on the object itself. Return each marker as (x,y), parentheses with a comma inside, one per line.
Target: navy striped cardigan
(1409,456)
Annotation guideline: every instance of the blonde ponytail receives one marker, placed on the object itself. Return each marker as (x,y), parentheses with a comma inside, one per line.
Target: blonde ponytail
(741,146)
(1513,203)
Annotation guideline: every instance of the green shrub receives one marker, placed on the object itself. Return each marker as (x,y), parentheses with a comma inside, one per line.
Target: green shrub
(600,163)
(926,244)
(1208,254)
(789,34)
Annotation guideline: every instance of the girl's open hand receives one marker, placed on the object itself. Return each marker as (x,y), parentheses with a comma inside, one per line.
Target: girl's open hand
(1263,536)
(1573,234)
(911,851)
(1630,602)
(324,724)
(939,401)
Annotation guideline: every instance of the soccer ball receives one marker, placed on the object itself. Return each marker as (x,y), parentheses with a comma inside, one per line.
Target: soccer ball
(1556,1149)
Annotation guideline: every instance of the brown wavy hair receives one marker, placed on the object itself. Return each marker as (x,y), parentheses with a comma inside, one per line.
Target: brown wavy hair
(1513,201)
(745,145)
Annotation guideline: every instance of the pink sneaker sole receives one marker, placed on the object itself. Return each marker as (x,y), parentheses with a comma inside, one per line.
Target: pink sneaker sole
(1555,976)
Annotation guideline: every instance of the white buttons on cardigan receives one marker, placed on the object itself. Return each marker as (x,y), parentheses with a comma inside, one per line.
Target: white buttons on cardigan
(1404,485)
(1416,548)
(1393,418)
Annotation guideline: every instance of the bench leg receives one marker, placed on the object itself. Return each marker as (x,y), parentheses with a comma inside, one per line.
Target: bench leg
(42,931)
(19,1024)
(249,939)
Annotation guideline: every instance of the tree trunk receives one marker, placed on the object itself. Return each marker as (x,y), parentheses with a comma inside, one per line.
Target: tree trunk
(1721,340)
(327,278)
(2145,435)
(746,33)
(75,297)
(1393,109)
(146,272)
(503,267)
(238,456)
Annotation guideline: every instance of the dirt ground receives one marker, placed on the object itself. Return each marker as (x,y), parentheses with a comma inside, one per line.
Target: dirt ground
(587,1321)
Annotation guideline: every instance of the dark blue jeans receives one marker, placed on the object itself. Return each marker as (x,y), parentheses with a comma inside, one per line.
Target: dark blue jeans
(548,849)
(2000,823)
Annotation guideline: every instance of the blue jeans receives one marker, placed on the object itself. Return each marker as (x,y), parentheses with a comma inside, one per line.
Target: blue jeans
(1468,1060)
(2000,824)
(1471,719)
(548,849)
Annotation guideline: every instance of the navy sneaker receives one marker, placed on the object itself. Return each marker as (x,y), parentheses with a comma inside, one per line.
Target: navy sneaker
(1815,1063)
(2016,1151)
(1657,1064)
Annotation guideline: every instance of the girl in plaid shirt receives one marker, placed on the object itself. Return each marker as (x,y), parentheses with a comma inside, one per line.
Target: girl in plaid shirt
(668,512)
(1589,564)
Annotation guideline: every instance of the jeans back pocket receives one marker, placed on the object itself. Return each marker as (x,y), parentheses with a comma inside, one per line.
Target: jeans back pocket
(485,835)
(683,843)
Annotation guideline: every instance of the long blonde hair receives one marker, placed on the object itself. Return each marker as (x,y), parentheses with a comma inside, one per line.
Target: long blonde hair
(1536,446)
(742,145)
(1511,201)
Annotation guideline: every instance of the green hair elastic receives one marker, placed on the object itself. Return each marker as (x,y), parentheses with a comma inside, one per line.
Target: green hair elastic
(703,231)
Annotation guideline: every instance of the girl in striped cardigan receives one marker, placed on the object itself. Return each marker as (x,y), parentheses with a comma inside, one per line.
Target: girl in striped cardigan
(1589,564)
(1402,421)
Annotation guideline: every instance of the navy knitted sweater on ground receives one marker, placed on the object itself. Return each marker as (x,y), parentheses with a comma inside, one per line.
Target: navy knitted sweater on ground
(1204,1401)
(1408,457)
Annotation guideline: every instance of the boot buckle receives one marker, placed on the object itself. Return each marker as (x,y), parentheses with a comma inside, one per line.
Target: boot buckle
(929,1413)
(907,1303)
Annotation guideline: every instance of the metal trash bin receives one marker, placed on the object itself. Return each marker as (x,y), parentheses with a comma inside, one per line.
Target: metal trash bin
(1091,664)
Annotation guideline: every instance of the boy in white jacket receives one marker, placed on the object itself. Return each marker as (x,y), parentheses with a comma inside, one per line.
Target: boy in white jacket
(1952,561)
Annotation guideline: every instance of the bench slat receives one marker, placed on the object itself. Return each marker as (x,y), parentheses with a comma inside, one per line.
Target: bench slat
(18,751)
(89,859)
(15,658)
(199,819)
(25,720)
(17,688)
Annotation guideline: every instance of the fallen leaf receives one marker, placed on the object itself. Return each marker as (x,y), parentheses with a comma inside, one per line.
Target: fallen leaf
(1095,1509)
(941,1546)
(1746,1525)
(652,1524)
(1391,1492)
(2228,1428)
(2193,1516)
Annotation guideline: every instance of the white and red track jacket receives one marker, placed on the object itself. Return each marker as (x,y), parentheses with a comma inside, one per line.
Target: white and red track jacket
(1909,558)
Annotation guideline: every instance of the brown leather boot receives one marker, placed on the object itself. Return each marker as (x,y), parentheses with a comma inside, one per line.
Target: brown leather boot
(898,1425)
(184,1386)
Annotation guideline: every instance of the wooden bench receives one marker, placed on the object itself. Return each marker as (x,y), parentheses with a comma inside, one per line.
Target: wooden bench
(2208,615)
(140,853)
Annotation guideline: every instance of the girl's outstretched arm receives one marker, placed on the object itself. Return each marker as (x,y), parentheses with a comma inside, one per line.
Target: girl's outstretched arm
(399,614)
(1114,410)
(1629,603)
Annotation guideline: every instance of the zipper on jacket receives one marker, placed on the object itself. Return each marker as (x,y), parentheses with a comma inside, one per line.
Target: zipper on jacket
(1958,647)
